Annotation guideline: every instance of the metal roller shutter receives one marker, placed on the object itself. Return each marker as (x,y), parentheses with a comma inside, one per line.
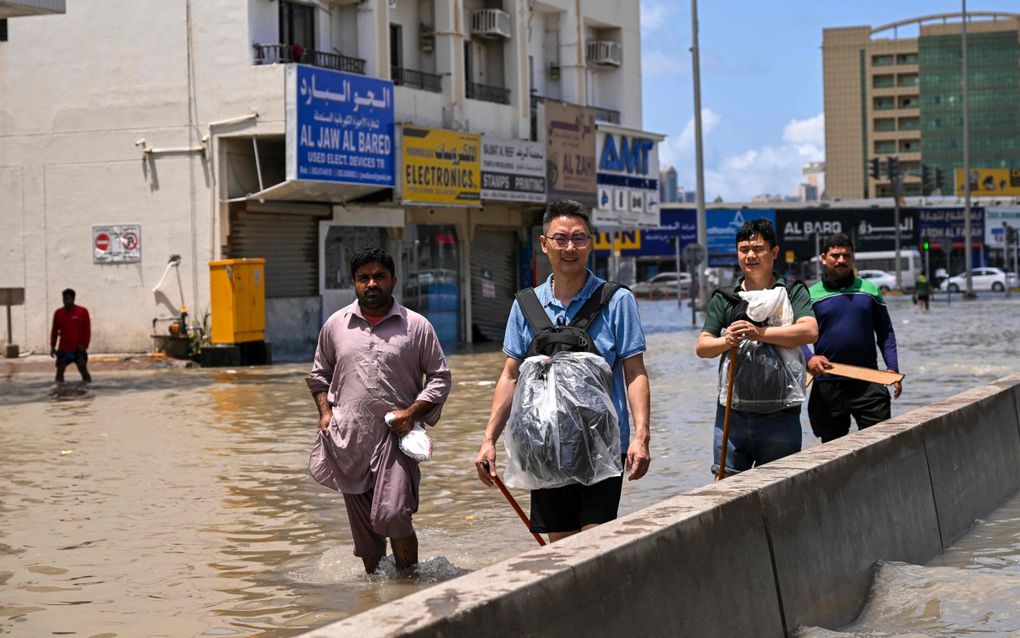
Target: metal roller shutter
(493,280)
(289,244)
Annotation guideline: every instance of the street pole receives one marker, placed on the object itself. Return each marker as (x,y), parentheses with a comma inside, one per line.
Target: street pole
(1005,243)
(897,186)
(699,166)
(676,240)
(966,161)
(818,255)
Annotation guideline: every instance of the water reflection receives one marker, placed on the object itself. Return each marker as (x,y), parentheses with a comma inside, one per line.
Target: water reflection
(180,498)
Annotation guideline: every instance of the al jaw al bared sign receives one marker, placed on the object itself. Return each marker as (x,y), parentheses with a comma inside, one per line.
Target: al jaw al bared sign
(440,166)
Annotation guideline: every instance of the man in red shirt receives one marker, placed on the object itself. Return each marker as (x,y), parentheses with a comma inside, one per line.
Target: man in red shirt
(72,324)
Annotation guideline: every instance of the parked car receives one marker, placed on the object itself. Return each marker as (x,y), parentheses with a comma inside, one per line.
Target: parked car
(983,279)
(885,281)
(663,284)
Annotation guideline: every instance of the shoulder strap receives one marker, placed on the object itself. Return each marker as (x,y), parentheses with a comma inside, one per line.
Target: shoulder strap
(793,285)
(729,294)
(594,305)
(533,311)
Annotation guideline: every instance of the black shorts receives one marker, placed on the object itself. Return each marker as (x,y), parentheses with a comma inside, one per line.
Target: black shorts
(832,403)
(571,507)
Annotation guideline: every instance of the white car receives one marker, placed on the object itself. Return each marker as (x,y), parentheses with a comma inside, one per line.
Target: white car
(663,284)
(885,281)
(983,279)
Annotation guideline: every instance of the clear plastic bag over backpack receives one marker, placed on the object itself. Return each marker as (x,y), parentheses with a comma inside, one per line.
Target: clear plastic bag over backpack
(563,427)
(768,378)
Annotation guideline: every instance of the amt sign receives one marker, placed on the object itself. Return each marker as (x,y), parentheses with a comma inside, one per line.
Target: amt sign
(629,156)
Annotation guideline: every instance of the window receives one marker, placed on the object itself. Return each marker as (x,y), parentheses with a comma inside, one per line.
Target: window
(906,58)
(3,30)
(297,25)
(885,124)
(885,146)
(883,103)
(881,60)
(396,47)
(908,79)
(882,81)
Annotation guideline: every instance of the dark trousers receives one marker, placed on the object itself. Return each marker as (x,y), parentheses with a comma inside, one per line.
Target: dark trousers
(832,403)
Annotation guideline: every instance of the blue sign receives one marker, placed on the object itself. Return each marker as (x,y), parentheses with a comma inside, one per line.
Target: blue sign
(661,242)
(722,225)
(339,127)
(942,226)
(632,156)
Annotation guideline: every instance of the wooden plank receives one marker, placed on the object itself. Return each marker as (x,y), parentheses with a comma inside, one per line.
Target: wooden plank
(884,377)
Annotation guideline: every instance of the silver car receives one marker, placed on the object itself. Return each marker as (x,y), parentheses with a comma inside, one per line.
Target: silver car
(663,284)
(994,279)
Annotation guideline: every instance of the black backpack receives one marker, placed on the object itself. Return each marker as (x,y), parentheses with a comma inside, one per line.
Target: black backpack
(548,338)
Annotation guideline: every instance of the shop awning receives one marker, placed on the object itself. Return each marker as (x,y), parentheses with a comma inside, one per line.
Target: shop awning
(299,190)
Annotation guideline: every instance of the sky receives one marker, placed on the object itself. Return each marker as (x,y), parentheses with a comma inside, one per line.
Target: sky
(761,83)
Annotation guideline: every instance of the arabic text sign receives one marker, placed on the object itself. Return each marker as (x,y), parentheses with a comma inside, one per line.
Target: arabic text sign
(440,166)
(570,152)
(722,225)
(513,170)
(869,229)
(990,182)
(945,225)
(627,178)
(995,216)
(120,244)
(339,127)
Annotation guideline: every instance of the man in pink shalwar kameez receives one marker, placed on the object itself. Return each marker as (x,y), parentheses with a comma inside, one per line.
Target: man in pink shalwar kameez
(373,357)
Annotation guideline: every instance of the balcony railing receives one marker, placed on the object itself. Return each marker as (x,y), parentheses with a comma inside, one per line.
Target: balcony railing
(486,93)
(609,116)
(417,79)
(284,53)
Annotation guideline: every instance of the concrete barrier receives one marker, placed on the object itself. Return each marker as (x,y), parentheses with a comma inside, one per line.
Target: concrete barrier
(788,544)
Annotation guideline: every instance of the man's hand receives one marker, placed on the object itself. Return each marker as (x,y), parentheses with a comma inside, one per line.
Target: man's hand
(324,422)
(819,365)
(53,351)
(638,459)
(743,331)
(897,389)
(401,422)
(487,453)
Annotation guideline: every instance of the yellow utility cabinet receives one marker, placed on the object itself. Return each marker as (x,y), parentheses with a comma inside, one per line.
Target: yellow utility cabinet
(238,291)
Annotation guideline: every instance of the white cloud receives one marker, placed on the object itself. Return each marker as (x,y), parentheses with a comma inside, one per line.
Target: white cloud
(660,63)
(740,176)
(653,16)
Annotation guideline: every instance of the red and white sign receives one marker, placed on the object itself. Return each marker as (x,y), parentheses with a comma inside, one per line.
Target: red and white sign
(120,244)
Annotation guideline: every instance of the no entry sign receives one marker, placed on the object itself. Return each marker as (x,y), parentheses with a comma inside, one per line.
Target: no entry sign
(120,244)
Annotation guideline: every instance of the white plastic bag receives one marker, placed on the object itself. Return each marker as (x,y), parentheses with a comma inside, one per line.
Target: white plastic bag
(416,444)
(563,427)
(768,378)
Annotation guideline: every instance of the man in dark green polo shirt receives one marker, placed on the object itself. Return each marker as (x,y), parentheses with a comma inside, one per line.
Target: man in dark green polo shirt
(756,438)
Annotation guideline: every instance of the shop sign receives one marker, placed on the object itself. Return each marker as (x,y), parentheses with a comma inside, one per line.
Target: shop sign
(570,152)
(117,244)
(945,226)
(661,241)
(440,166)
(995,217)
(871,229)
(722,226)
(627,178)
(339,127)
(990,182)
(513,170)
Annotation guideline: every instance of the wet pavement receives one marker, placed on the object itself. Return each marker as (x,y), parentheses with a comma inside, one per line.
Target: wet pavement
(177,502)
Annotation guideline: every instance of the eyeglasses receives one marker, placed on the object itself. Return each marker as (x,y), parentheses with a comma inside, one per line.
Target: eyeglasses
(577,239)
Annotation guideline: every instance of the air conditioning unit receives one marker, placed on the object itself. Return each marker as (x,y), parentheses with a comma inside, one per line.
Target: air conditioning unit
(490,23)
(605,53)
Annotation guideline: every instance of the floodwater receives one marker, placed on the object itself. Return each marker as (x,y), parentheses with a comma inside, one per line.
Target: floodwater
(177,502)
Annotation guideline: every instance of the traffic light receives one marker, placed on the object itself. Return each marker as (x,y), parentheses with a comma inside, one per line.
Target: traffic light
(892,167)
(925,245)
(1012,235)
(938,179)
(925,179)
(876,168)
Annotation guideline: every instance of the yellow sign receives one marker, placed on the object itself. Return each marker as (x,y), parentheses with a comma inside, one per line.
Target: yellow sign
(990,181)
(441,167)
(790,257)
(626,240)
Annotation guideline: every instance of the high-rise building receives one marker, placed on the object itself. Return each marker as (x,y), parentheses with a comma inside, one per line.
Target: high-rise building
(668,185)
(896,91)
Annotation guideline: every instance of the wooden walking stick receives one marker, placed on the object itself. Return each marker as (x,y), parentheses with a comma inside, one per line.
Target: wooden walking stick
(726,415)
(513,503)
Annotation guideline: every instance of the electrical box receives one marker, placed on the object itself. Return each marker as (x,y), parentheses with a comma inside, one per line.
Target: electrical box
(237,289)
